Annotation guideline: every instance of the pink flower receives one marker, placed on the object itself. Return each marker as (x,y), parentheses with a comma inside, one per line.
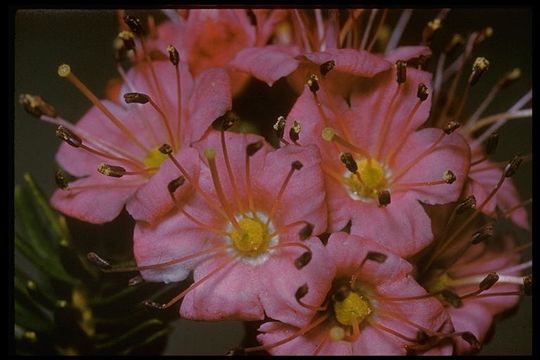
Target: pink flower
(483,177)
(212,37)
(374,307)
(377,167)
(123,140)
(241,231)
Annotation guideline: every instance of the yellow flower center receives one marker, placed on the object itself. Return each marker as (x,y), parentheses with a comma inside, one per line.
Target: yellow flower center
(368,180)
(153,160)
(353,308)
(252,238)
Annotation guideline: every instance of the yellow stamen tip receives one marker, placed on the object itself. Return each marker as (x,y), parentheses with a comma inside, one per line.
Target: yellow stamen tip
(328,134)
(210,153)
(64,70)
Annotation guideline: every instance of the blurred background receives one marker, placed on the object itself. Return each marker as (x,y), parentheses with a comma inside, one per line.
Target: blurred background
(83,38)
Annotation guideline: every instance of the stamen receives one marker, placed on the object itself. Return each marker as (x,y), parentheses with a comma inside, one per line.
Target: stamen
(68,136)
(429,31)
(486,234)
(65,72)
(448,178)
(468,203)
(210,155)
(326,67)
(508,213)
(494,119)
(303,260)
(295,166)
(294,132)
(368,28)
(98,261)
(306,231)
(303,32)
(313,83)
(372,256)
(111,170)
(390,331)
(60,179)
(471,340)
(228,124)
(36,106)
(136,280)
(279,127)
(452,298)
(174,58)
(180,296)
(329,134)
(251,149)
(378,30)
(384,198)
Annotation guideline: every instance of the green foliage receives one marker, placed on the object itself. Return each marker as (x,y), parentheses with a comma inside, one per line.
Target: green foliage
(64,304)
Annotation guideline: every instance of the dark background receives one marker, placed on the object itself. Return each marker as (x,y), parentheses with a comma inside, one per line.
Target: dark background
(83,38)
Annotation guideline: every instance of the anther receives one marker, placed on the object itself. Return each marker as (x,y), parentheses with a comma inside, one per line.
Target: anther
(527,285)
(429,30)
(471,340)
(134,24)
(423,92)
(69,137)
(98,261)
(294,132)
(128,39)
(328,134)
(452,298)
(279,127)
(136,280)
(484,235)
(512,166)
(252,17)
(491,143)
(348,160)
(166,149)
(174,57)
(209,153)
(511,76)
(64,70)
(468,203)
(456,41)
(251,149)
(153,305)
(488,281)
(297,165)
(137,98)
(451,126)
(60,179)
(341,293)
(326,67)
(449,177)
(36,106)
(175,184)
(313,83)
(306,231)
(401,71)
(303,260)
(301,292)
(228,120)
(384,198)
(376,256)
(480,65)
(111,170)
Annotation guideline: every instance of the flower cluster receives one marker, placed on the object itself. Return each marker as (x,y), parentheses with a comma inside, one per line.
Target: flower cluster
(363,224)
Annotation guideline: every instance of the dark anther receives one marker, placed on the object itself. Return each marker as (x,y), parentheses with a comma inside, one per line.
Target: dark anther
(98,261)
(384,198)
(480,66)
(134,24)
(449,177)
(491,143)
(128,40)
(488,281)
(468,203)
(166,149)
(512,166)
(313,83)
(348,160)
(471,340)
(111,170)
(341,293)
(306,231)
(175,184)
(423,92)
(326,67)
(527,285)
(451,127)
(297,165)
(36,106)
(137,98)
(421,337)
(401,71)
(301,292)
(303,260)
(60,179)
(452,298)
(136,280)
(252,18)
(484,235)
(376,256)
(251,149)
(279,126)
(68,136)
(174,57)
(294,132)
